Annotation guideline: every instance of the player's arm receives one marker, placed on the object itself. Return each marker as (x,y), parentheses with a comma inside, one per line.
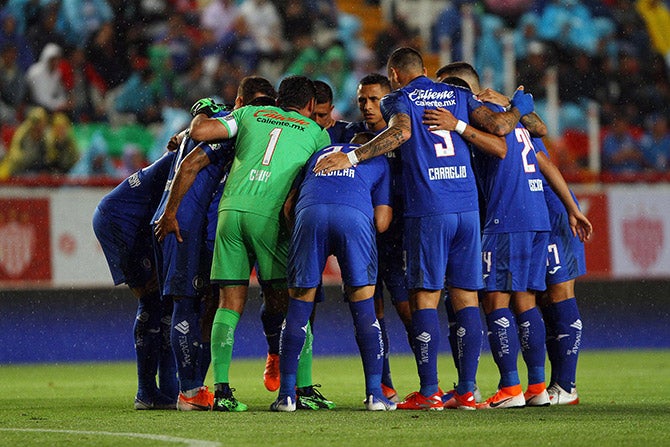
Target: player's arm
(175,140)
(289,208)
(443,119)
(579,223)
(502,123)
(398,131)
(205,128)
(383,217)
(167,223)
(531,121)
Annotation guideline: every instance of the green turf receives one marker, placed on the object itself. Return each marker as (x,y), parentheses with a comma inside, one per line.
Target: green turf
(624,401)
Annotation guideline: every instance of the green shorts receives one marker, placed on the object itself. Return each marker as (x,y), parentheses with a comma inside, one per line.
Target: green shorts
(243,239)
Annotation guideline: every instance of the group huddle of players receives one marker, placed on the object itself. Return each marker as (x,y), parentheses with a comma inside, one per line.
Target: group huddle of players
(437,192)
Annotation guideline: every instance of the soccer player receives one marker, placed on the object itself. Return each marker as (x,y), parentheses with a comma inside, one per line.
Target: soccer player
(514,243)
(121,223)
(441,236)
(342,211)
(183,258)
(566,262)
(323,109)
(273,143)
(371,89)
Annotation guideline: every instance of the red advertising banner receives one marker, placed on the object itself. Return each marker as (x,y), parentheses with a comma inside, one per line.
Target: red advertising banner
(25,253)
(598,250)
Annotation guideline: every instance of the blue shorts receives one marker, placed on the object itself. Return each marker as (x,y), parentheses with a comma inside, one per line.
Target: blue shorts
(392,266)
(343,231)
(444,246)
(565,260)
(183,266)
(127,247)
(514,262)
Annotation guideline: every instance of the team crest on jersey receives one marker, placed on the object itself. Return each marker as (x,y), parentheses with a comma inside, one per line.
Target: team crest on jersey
(215,146)
(134,180)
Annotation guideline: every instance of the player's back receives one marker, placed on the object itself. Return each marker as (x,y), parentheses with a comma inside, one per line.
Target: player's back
(436,169)
(363,186)
(272,146)
(137,197)
(512,186)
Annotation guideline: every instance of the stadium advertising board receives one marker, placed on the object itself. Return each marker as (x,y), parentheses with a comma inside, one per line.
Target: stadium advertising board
(46,238)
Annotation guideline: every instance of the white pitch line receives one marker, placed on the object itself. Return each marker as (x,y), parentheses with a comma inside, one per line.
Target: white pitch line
(173,439)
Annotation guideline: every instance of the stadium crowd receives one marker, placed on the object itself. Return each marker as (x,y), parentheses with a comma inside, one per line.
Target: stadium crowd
(121,62)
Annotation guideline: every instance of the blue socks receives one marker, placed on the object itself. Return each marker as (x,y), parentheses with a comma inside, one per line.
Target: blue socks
(468,340)
(566,340)
(532,338)
(426,334)
(291,342)
(504,342)
(167,367)
(370,344)
(147,336)
(386,369)
(186,342)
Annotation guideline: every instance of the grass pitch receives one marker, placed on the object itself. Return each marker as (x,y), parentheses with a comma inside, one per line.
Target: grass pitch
(624,401)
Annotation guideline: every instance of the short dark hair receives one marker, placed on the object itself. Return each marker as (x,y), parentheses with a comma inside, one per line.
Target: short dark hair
(376,78)
(253,85)
(295,91)
(362,137)
(406,59)
(455,80)
(324,94)
(458,69)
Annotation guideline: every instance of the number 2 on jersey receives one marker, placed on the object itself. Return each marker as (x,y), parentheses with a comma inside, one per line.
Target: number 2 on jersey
(446,149)
(272,145)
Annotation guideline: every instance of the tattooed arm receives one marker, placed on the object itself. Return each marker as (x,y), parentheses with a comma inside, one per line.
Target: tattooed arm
(398,131)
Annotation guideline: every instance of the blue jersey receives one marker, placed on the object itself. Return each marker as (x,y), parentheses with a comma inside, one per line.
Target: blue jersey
(121,223)
(135,199)
(193,207)
(339,132)
(512,187)
(437,173)
(363,186)
(554,204)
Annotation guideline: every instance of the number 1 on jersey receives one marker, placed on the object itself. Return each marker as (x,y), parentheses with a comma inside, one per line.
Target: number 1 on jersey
(272,144)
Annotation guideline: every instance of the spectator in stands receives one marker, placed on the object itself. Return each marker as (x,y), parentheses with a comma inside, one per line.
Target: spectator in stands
(621,152)
(219,16)
(45,30)
(10,35)
(12,84)
(510,10)
(45,81)
(532,70)
(525,34)
(109,57)
(79,19)
(28,149)
(296,20)
(62,152)
(447,26)
(95,160)
(132,160)
(656,16)
(569,24)
(655,143)
(489,55)
(85,87)
(265,26)
(139,96)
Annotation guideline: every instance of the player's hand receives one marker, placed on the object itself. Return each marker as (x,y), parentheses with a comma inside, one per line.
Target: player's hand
(439,119)
(333,162)
(523,101)
(494,97)
(207,106)
(165,225)
(174,142)
(580,225)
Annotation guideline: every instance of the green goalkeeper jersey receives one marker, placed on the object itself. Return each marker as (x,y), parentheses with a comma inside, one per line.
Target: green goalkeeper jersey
(272,146)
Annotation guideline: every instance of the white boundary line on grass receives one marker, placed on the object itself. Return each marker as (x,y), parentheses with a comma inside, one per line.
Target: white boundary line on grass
(186,441)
